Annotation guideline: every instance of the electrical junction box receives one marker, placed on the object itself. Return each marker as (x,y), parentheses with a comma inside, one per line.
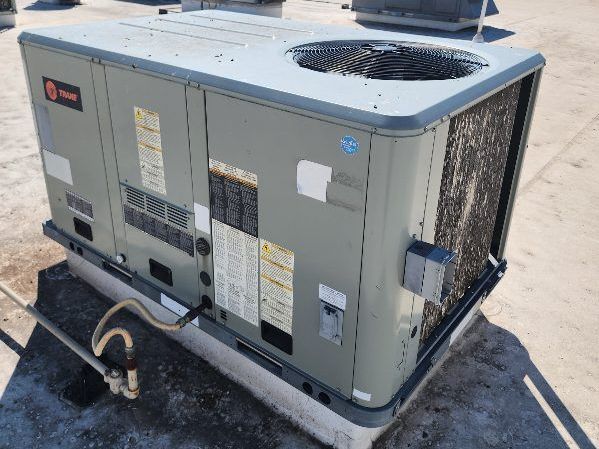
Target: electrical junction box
(285,170)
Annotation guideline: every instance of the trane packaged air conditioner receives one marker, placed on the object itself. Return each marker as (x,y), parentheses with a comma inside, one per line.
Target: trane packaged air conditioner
(342,197)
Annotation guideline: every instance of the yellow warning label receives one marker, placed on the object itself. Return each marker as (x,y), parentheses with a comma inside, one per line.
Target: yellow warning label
(149,148)
(276,285)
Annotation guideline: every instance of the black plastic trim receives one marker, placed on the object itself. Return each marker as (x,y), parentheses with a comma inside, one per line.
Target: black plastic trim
(523,110)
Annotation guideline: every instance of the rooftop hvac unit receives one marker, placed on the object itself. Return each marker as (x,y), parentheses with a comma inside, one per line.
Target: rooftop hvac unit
(8,11)
(449,15)
(342,196)
(270,8)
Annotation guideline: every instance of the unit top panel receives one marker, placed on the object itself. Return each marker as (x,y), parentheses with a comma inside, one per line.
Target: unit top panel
(249,55)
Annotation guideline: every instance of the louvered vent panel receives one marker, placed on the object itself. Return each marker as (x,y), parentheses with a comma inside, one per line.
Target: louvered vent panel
(158,219)
(177,216)
(387,60)
(76,203)
(135,198)
(156,207)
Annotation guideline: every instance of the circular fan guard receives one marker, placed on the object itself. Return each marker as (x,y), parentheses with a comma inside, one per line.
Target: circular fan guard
(387,60)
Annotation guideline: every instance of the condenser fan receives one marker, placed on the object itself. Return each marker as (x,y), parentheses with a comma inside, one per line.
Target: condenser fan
(387,60)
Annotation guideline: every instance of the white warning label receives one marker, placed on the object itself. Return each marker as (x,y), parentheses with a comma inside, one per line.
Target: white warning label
(235,256)
(149,147)
(276,285)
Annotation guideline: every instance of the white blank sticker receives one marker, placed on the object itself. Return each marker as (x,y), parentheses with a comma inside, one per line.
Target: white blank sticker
(57,166)
(332,296)
(44,127)
(202,218)
(175,307)
(361,395)
(312,179)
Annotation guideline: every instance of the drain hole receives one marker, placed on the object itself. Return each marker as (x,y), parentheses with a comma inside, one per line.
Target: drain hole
(307,388)
(72,246)
(79,251)
(324,398)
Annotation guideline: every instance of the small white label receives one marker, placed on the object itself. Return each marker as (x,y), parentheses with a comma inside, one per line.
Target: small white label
(332,296)
(361,395)
(175,307)
(312,179)
(58,166)
(202,218)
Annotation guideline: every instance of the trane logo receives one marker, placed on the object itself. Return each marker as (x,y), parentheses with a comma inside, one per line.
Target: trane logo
(53,92)
(62,93)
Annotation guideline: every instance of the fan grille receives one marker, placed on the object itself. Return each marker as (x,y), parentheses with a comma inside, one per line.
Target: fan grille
(386,60)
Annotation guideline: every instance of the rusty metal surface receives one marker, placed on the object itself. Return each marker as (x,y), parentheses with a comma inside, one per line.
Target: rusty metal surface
(477,149)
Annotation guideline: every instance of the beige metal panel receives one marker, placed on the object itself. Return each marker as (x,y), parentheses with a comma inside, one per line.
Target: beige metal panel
(112,175)
(432,197)
(326,237)
(397,188)
(428,235)
(126,91)
(75,147)
(198,146)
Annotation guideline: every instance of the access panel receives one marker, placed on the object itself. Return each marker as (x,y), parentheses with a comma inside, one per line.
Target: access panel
(149,121)
(64,106)
(287,197)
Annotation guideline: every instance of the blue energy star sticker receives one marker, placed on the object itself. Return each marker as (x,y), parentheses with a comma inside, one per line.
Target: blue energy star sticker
(349,145)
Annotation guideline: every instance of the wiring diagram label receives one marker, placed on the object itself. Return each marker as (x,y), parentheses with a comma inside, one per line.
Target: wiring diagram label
(234,213)
(236,271)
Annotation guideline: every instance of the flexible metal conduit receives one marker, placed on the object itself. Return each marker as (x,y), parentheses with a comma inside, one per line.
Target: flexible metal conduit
(113,377)
(118,384)
(98,344)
